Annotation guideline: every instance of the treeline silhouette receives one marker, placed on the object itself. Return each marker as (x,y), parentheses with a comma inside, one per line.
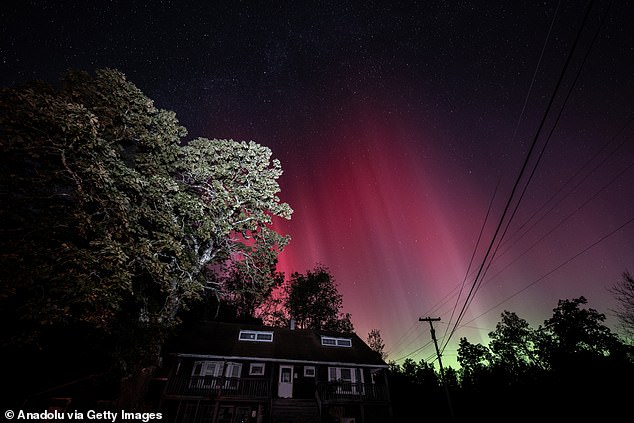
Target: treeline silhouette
(571,368)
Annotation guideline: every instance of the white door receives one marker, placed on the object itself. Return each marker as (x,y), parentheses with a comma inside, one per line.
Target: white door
(285,385)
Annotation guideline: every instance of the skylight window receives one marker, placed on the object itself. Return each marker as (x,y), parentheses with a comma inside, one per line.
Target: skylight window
(336,342)
(342,342)
(255,336)
(264,336)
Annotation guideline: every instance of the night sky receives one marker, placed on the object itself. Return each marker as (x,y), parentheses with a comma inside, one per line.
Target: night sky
(399,126)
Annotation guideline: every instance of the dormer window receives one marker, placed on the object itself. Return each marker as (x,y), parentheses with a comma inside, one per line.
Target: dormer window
(255,336)
(336,342)
(328,341)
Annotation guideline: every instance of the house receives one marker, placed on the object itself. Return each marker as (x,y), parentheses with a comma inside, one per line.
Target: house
(235,373)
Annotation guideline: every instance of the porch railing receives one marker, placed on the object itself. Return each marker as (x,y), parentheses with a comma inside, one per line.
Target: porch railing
(218,387)
(248,388)
(348,391)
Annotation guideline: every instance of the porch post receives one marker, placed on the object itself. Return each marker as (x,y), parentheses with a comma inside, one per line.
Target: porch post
(387,393)
(214,419)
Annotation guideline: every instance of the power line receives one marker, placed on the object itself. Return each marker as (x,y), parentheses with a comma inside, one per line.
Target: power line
(413,352)
(481,275)
(548,138)
(577,173)
(587,248)
(477,281)
(539,61)
(519,120)
(517,125)
(567,217)
(475,249)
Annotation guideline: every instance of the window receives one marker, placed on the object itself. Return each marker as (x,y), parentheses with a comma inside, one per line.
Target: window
(204,374)
(264,336)
(328,341)
(336,342)
(256,369)
(309,371)
(341,342)
(286,374)
(232,375)
(346,376)
(208,374)
(207,368)
(342,374)
(349,380)
(247,336)
(256,336)
(233,369)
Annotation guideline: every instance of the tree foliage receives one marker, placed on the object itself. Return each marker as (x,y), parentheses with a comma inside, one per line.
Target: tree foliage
(375,342)
(573,366)
(110,220)
(518,351)
(513,346)
(312,300)
(421,373)
(574,332)
(474,360)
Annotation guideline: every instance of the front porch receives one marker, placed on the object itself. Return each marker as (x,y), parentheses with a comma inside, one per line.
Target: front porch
(261,388)
(346,392)
(198,399)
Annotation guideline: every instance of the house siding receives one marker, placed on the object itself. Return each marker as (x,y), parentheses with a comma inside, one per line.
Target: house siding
(305,386)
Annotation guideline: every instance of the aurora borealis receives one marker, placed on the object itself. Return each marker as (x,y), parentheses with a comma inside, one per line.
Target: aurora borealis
(397,223)
(394,124)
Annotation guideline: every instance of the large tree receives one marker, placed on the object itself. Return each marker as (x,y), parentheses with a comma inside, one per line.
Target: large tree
(111,223)
(313,301)
(474,360)
(588,365)
(575,334)
(513,345)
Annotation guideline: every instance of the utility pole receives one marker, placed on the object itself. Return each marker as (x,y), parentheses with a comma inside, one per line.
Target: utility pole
(442,370)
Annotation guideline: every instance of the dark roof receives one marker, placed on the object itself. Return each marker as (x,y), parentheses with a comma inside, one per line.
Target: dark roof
(219,339)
